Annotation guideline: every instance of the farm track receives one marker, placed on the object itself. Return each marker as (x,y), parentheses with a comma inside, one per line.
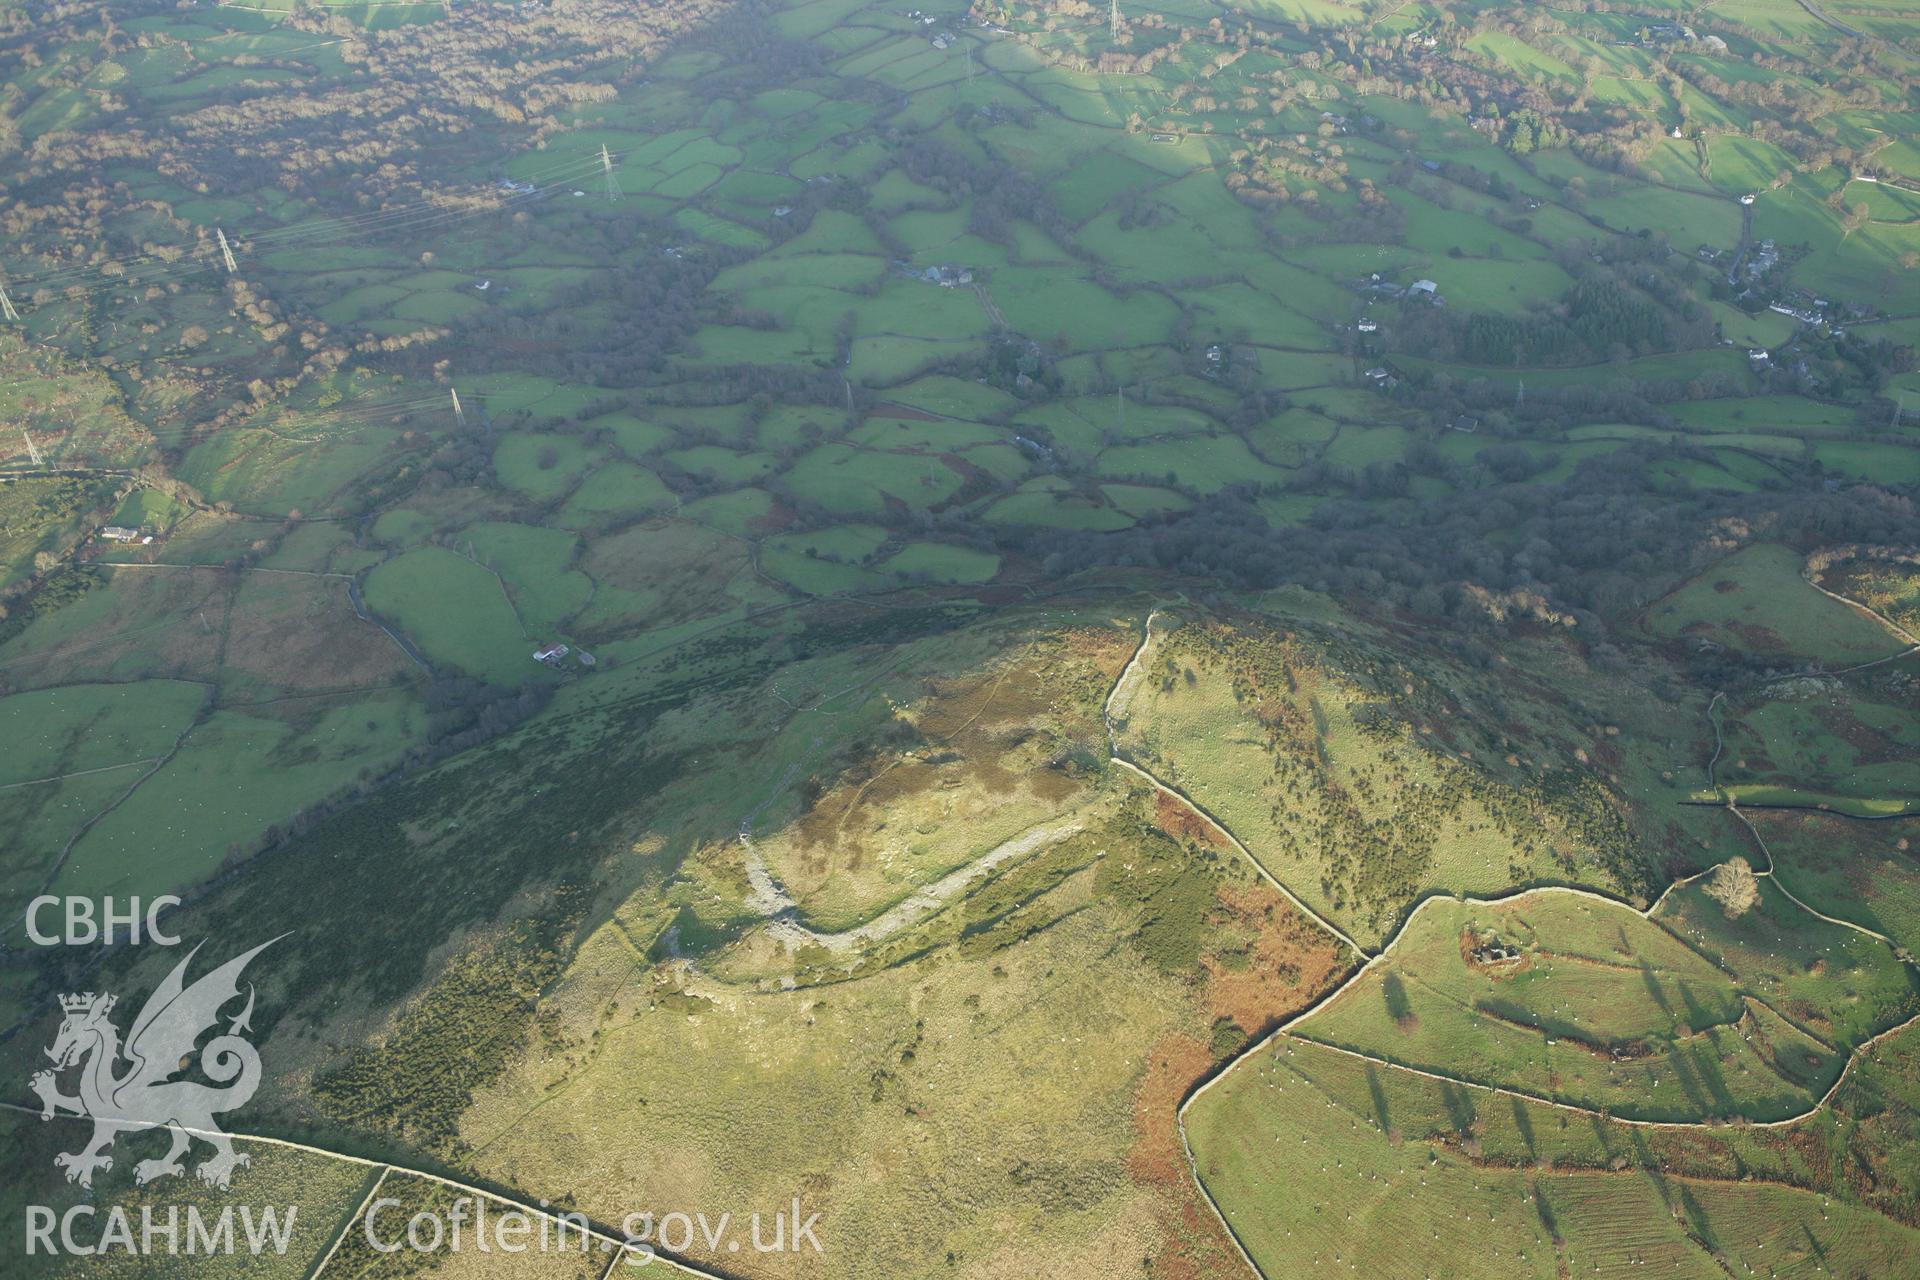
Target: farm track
(385,1169)
(615,1244)
(611,1241)
(781,911)
(995,316)
(1113,743)
(1815,11)
(83,773)
(159,763)
(771,899)
(216,568)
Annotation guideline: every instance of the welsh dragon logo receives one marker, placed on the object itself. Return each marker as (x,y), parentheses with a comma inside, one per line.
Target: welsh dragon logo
(131,1086)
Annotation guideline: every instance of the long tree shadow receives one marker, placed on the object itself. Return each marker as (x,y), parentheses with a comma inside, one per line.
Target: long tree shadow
(1548,1220)
(1654,989)
(1649,1166)
(1683,1072)
(1379,1099)
(1698,1016)
(1394,992)
(1814,1246)
(1460,1111)
(1524,1123)
(1707,1064)
(1698,1225)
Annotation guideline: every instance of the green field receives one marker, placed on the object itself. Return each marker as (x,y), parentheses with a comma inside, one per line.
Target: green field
(234,776)
(1847,988)
(1757,601)
(1394,1164)
(454,609)
(1596,1007)
(1855,871)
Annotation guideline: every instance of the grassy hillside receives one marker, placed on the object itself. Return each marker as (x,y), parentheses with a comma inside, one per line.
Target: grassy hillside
(1584,1001)
(1076,532)
(1351,772)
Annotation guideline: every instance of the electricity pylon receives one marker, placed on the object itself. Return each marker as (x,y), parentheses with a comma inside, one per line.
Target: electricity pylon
(606,165)
(1113,19)
(33,450)
(6,306)
(226,251)
(459,415)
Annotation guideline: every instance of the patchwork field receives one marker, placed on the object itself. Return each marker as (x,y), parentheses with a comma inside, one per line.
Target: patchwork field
(1260,629)
(1580,1000)
(1400,1165)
